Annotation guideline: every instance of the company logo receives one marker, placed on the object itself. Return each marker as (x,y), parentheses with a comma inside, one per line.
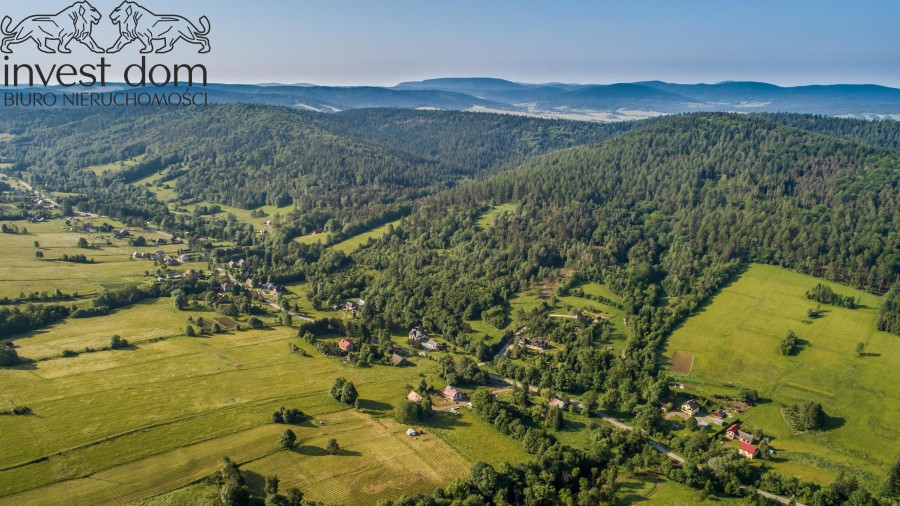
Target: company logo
(75,22)
(156,84)
(138,23)
(53,33)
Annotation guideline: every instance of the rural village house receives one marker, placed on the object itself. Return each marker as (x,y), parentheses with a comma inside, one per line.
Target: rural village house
(691,407)
(732,431)
(452,394)
(748,450)
(432,345)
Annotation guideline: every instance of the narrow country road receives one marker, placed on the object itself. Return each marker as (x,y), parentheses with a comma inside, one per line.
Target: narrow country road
(656,446)
(271,303)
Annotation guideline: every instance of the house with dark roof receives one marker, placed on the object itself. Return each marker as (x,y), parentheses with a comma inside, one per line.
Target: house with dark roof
(535,344)
(432,345)
(691,407)
(397,360)
(746,437)
(416,334)
(748,450)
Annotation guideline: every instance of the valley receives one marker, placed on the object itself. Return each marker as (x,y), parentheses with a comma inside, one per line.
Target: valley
(246,257)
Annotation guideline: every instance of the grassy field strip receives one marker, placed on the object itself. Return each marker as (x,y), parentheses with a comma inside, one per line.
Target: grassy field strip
(354,243)
(475,439)
(115,166)
(150,427)
(734,342)
(487,219)
(20,271)
(204,389)
(379,460)
(156,474)
(91,363)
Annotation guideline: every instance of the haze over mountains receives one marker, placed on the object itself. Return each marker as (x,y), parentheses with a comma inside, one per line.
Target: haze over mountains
(589,102)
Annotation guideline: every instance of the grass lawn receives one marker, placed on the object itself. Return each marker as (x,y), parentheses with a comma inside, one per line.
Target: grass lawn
(244,214)
(482,328)
(645,489)
(377,460)
(297,297)
(164,191)
(488,218)
(354,243)
(20,271)
(200,494)
(598,290)
(474,439)
(115,166)
(734,342)
(527,301)
(162,416)
(146,320)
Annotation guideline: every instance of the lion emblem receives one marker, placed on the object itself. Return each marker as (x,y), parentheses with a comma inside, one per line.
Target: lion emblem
(75,22)
(138,23)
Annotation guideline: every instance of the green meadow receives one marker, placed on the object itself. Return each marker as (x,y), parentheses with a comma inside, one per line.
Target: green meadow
(22,272)
(734,341)
(115,166)
(487,219)
(354,243)
(161,415)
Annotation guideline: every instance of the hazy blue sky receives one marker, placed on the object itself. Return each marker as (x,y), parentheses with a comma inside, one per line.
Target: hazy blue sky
(382,42)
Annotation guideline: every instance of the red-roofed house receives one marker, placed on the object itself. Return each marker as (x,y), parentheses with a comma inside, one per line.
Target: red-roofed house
(748,450)
(732,431)
(452,394)
(346,345)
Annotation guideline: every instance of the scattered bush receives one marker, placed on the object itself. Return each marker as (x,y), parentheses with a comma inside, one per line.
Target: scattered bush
(116,342)
(8,356)
(285,415)
(287,439)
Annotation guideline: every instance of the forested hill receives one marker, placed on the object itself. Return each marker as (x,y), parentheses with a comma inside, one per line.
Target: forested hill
(248,156)
(662,213)
(884,134)
(720,186)
(469,140)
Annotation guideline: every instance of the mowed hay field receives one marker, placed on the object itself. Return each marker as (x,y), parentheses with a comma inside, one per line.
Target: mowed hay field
(118,426)
(734,342)
(21,272)
(377,460)
(150,319)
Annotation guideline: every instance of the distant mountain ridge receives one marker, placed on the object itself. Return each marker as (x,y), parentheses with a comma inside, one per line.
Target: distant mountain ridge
(598,102)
